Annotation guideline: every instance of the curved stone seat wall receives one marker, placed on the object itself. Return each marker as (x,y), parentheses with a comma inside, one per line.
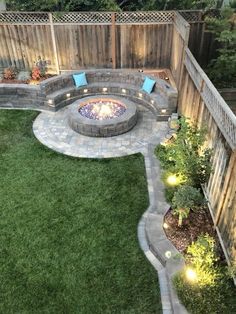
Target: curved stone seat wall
(22,96)
(61,90)
(56,92)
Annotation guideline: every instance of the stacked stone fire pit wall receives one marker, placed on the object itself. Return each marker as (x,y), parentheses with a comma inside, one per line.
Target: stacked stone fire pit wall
(59,91)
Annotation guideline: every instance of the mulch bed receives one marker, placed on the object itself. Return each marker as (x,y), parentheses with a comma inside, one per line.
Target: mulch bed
(29,81)
(199,222)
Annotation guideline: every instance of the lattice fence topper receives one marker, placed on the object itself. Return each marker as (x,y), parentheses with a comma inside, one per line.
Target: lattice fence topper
(82,17)
(24,17)
(191,16)
(145,17)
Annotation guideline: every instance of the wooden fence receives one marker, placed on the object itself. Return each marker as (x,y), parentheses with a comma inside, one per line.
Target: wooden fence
(74,40)
(201,42)
(179,42)
(86,40)
(201,102)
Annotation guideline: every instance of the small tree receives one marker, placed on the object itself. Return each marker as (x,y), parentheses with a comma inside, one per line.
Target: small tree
(222,70)
(186,156)
(186,198)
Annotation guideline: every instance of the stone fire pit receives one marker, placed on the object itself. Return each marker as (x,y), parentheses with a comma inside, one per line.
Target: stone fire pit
(102,116)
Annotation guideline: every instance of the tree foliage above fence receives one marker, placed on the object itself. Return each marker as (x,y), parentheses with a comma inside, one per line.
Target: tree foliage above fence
(109,5)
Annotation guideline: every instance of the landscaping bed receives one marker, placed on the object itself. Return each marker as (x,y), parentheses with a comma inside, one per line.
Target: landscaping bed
(205,284)
(68,240)
(197,223)
(28,81)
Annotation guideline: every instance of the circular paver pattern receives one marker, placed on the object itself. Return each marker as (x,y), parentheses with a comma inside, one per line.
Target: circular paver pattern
(52,130)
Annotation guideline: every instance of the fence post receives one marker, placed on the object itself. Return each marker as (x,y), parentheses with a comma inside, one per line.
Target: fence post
(113,39)
(54,43)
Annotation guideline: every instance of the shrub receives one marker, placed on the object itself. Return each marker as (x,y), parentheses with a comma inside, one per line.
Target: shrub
(186,156)
(202,257)
(42,65)
(186,198)
(222,69)
(212,291)
(35,73)
(9,73)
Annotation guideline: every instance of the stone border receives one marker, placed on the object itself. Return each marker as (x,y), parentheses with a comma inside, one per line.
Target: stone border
(59,91)
(105,127)
(152,238)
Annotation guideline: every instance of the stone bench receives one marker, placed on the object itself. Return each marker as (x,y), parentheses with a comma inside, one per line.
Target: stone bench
(60,91)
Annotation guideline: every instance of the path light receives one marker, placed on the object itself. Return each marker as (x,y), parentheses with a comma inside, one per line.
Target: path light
(163,110)
(191,274)
(50,101)
(68,95)
(85,90)
(168,254)
(165,225)
(167,78)
(140,95)
(152,101)
(104,89)
(123,90)
(172,179)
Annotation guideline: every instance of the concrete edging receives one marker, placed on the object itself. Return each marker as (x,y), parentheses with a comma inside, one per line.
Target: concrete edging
(152,238)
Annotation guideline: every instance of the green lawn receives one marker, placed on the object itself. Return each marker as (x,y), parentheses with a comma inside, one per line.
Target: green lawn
(68,229)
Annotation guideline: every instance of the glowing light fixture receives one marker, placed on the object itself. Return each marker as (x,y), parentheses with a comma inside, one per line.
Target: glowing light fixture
(172,179)
(140,95)
(140,70)
(104,89)
(191,274)
(123,90)
(168,254)
(85,90)
(152,101)
(50,101)
(68,95)
(165,225)
(163,110)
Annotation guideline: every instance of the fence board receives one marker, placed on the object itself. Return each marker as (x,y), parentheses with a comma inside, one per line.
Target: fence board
(143,46)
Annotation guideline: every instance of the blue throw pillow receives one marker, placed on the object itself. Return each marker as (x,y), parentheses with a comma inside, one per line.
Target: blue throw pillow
(80,79)
(148,85)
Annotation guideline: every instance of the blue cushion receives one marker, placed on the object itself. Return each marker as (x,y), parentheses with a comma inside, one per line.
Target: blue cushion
(80,79)
(148,85)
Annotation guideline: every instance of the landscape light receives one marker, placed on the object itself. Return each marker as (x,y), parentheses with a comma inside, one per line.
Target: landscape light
(50,101)
(140,95)
(68,95)
(168,254)
(163,110)
(165,225)
(191,274)
(104,89)
(85,90)
(172,179)
(123,90)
